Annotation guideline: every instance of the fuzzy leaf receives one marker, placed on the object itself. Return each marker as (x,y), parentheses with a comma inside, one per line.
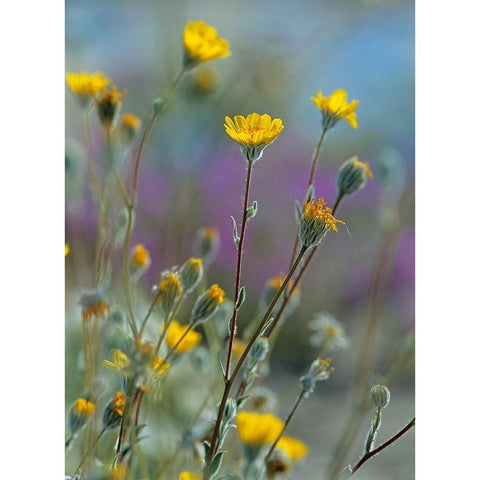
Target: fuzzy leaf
(241,298)
(236,238)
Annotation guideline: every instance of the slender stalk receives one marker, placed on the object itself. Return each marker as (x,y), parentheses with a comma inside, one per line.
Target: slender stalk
(384,445)
(285,425)
(90,450)
(149,312)
(311,177)
(373,431)
(131,206)
(231,379)
(233,320)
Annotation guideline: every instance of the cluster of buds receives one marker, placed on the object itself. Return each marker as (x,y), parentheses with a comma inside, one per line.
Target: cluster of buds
(258,353)
(315,221)
(319,370)
(353,176)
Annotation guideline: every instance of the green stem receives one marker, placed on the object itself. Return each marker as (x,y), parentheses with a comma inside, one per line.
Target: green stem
(90,450)
(285,425)
(384,445)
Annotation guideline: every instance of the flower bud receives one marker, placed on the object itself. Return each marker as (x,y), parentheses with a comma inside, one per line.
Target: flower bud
(207,243)
(191,273)
(139,260)
(352,176)
(259,349)
(380,395)
(169,290)
(113,413)
(128,128)
(207,304)
(108,106)
(79,414)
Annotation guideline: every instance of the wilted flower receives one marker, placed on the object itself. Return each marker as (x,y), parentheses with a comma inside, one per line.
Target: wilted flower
(175,332)
(191,273)
(319,370)
(207,243)
(257,429)
(86,85)
(316,220)
(94,305)
(277,464)
(128,128)
(113,413)
(262,399)
(253,133)
(108,105)
(293,448)
(79,414)
(207,304)
(335,107)
(202,43)
(169,290)
(352,176)
(328,332)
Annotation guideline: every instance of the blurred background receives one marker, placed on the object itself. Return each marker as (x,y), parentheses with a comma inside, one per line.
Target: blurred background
(193,175)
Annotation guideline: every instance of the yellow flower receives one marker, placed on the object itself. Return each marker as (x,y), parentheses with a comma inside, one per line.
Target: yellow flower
(364,165)
(140,257)
(118,403)
(190,476)
(258,429)
(253,133)
(120,361)
(293,448)
(216,294)
(159,367)
(108,105)
(176,331)
(202,43)
(335,107)
(67,249)
(83,407)
(86,85)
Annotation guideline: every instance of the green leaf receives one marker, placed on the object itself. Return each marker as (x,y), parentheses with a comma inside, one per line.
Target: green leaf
(241,298)
(216,463)
(236,238)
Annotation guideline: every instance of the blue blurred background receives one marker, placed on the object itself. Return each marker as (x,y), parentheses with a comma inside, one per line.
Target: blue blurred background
(193,174)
